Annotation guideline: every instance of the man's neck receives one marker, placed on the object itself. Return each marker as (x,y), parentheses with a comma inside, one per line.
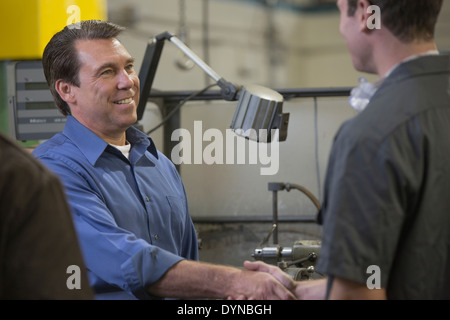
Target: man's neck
(116,141)
(394,52)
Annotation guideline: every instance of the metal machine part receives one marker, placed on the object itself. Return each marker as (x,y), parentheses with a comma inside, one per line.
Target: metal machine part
(33,114)
(298,261)
(275,187)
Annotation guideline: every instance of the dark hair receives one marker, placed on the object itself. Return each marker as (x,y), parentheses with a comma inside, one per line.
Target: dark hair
(408,20)
(60,58)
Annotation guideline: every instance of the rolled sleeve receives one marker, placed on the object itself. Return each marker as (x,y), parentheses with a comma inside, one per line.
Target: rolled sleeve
(139,278)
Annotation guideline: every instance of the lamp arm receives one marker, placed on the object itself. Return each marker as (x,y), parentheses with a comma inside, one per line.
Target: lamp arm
(229,90)
(194,57)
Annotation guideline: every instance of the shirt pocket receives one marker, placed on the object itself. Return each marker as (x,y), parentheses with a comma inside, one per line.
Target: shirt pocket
(177,218)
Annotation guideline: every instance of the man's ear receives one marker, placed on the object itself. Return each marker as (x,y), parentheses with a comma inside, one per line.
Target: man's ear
(364,14)
(65,90)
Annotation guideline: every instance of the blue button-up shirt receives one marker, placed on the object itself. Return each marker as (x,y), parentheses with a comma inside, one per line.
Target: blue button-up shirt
(131,216)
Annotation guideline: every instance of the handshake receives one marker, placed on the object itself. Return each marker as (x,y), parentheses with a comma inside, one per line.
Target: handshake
(271,283)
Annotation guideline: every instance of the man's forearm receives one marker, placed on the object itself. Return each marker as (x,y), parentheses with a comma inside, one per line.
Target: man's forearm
(191,280)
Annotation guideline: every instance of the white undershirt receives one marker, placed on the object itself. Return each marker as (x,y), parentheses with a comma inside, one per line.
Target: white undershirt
(124,149)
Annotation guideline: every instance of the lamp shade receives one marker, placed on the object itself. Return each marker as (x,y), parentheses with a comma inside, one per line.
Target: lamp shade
(258,112)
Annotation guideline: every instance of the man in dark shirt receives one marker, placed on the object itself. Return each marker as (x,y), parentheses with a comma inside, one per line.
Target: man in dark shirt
(39,254)
(386,211)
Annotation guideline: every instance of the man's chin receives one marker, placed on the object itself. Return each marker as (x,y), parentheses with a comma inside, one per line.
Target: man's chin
(132,121)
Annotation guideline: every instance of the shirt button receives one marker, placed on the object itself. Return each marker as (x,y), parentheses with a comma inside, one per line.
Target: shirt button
(147,199)
(156,237)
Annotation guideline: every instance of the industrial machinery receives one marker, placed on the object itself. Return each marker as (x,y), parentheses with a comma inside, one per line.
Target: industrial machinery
(32,111)
(299,260)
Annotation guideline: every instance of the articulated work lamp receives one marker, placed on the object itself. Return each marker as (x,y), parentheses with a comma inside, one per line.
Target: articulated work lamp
(259,109)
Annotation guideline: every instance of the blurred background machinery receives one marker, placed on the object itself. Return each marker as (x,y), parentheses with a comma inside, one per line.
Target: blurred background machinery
(299,259)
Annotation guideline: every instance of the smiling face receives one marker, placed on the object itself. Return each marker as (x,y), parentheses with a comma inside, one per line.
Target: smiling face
(107,98)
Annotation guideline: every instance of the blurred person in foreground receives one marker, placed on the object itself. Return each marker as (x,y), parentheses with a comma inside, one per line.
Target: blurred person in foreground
(40,258)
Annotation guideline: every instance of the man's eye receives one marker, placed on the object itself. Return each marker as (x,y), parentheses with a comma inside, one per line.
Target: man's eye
(130,67)
(107,72)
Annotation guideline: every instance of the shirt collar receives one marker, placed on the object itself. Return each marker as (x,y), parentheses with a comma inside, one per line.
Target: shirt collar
(138,138)
(411,58)
(361,95)
(418,65)
(92,146)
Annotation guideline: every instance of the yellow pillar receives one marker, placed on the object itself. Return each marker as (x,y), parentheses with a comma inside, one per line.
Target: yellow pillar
(26,26)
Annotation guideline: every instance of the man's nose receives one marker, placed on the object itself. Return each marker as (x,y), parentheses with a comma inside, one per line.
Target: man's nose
(126,80)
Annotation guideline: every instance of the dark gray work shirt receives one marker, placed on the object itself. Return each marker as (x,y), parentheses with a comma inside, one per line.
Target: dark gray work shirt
(387,189)
(39,250)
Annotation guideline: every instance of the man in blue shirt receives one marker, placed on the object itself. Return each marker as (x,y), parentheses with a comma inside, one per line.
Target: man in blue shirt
(128,201)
